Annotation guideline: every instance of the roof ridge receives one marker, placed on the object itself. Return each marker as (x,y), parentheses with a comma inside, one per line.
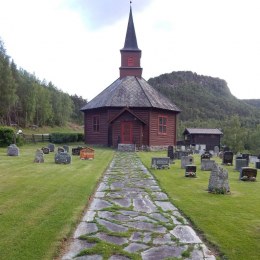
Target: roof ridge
(144,91)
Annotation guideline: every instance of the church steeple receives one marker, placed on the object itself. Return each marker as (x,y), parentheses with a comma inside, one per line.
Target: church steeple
(130,54)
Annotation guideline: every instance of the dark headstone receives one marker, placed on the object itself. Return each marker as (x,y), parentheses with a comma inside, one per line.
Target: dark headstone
(76,151)
(62,158)
(246,156)
(39,156)
(61,150)
(45,150)
(227,158)
(190,171)
(12,150)
(218,182)
(160,162)
(205,156)
(241,163)
(257,165)
(170,152)
(51,147)
(248,174)
(66,148)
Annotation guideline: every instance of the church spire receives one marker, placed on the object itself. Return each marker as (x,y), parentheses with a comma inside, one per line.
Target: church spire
(130,38)
(130,54)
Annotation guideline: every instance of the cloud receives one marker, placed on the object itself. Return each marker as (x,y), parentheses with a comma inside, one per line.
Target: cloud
(100,13)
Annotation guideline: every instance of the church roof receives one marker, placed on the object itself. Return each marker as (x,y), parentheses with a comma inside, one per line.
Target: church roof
(131,91)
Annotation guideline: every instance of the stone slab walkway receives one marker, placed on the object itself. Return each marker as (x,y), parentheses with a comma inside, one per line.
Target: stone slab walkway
(131,218)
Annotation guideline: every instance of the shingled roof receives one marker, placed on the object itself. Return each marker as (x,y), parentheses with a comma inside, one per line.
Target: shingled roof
(210,131)
(131,91)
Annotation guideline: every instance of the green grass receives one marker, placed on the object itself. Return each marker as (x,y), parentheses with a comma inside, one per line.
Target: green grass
(40,204)
(231,222)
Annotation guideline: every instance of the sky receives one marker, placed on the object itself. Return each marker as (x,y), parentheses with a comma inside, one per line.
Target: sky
(76,44)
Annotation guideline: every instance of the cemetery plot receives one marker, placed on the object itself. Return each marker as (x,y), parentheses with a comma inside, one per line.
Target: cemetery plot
(87,153)
(186,160)
(190,171)
(227,158)
(160,162)
(248,174)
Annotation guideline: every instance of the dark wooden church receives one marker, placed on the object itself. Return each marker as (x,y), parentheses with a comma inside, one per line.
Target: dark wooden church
(130,111)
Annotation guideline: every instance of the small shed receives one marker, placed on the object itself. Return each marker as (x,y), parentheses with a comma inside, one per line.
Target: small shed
(202,136)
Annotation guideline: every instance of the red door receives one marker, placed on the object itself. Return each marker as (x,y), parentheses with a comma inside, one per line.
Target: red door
(126,132)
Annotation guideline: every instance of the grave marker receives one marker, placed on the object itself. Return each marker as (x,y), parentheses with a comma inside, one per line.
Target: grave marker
(160,162)
(248,174)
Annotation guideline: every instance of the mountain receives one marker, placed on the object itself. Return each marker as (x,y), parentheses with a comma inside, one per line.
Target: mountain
(253,102)
(205,98)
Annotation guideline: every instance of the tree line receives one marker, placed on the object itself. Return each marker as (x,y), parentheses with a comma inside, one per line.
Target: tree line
(25,100)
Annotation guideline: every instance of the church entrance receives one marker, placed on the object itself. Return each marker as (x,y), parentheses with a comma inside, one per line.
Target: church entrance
(127,132)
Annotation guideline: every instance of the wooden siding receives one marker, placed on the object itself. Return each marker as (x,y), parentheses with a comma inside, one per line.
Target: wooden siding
(157,139)
(145,132)
(209,140)
(101,137)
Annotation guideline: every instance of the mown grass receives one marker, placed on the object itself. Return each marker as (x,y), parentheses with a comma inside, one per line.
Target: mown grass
(232,222)
(40,204)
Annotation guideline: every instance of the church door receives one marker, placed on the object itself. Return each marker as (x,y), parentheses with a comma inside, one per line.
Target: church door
(127,132)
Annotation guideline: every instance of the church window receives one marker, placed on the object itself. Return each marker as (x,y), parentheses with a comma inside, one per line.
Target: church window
(96,124)
(162,125)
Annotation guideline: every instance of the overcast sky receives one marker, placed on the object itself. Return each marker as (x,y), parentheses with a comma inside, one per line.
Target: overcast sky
(76,44)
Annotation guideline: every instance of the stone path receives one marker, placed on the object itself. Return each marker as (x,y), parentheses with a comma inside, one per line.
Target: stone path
(131,218)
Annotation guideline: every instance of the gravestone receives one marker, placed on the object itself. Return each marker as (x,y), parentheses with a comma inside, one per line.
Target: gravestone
(160,162)
(186,160)
(170,152)
(240,163)
(218,181)
(61,150)
(51,147)
(205,156)
(246,156)
(257,165)
(76,151)
(45,150)
(216,150)
(190,171)
(207,165)
(12,150)
(62,158)
(66,148)
(39,156)
(87,153)
(227,158)
(248,174)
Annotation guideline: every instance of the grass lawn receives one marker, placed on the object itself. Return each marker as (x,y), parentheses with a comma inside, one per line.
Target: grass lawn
(40,204)
(232,222)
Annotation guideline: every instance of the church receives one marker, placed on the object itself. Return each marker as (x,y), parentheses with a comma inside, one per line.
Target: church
(130,111)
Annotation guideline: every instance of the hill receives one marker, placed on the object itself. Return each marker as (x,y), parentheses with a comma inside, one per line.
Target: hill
(205,98)
(253,102)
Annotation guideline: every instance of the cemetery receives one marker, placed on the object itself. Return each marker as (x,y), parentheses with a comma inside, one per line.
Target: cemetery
(34,165)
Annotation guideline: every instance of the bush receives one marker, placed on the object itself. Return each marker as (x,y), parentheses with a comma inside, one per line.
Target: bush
(7,136)
(59,138)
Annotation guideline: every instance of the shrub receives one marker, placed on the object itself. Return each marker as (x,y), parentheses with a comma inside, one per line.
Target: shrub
(7,136)
(59,138)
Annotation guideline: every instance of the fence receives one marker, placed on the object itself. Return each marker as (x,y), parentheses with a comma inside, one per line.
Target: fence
(35,138)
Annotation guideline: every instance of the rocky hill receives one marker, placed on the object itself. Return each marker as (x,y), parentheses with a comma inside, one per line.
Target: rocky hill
(203,97)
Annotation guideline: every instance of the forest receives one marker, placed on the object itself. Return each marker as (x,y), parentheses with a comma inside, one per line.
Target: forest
(25,100)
